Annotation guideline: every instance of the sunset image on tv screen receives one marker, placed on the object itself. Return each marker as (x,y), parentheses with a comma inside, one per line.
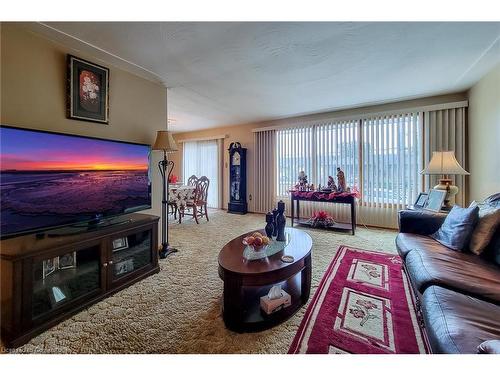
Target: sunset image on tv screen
(50,179)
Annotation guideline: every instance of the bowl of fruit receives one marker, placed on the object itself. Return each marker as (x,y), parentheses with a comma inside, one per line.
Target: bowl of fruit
(257,240)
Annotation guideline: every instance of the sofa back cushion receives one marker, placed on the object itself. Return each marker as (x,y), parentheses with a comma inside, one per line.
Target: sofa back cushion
(457,228)
(492,251)
(489,220)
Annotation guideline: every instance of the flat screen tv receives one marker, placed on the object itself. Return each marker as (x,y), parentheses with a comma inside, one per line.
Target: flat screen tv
(50,179)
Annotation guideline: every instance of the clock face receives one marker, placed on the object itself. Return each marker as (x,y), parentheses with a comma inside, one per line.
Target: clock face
(236,158)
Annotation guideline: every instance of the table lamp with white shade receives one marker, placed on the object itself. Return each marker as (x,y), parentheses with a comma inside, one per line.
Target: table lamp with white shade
(166,143)
(444,163)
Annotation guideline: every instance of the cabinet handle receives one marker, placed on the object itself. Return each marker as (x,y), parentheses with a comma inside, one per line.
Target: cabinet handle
(105,265)
(110,262)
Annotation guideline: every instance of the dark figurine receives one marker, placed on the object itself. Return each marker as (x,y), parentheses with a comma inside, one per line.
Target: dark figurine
(275,224)
(331,184)
(281,221)
(270,225)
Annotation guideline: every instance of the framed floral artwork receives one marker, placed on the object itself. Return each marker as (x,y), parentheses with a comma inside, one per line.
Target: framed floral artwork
(87,91)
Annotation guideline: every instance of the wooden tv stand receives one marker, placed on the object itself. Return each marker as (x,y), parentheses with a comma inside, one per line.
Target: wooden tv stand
(46,279)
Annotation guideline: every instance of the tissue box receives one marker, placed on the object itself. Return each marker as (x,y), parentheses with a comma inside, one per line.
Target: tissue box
(272,305)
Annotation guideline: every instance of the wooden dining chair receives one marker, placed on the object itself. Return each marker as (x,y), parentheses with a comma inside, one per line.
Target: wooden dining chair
(172,207)
(198,207)
(192,181)
(203,185)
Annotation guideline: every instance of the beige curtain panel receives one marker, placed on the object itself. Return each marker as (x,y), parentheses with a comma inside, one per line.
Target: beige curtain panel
(446,130)
(264,171)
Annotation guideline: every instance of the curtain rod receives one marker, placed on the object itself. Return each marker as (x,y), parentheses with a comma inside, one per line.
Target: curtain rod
(202,138)
(327,118)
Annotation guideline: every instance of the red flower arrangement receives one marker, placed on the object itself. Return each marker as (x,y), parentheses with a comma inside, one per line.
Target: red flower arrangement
(172,179)
(321,219)
(356,192)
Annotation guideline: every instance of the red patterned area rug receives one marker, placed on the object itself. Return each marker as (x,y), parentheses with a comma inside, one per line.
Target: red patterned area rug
(363,305)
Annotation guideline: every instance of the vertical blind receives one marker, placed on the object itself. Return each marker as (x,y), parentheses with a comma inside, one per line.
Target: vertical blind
(445,130)
(318,150)
(264,171)
(201,158)
(392,159)
(293,150)
(337,145)
(381,155)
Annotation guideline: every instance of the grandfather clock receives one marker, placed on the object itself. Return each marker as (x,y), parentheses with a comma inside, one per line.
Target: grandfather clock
(237,179)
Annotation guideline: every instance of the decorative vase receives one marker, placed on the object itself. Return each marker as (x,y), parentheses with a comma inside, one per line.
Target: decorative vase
(275,224)
(281,222)
(270,225)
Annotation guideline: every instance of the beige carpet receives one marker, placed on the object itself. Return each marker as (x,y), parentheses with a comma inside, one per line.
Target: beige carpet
(179,309)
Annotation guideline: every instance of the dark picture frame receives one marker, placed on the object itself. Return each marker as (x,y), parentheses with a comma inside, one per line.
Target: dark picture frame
(49,266)
(124,267)
(67,261)
(120,244)
(87,91)
(435,200)
(421,200)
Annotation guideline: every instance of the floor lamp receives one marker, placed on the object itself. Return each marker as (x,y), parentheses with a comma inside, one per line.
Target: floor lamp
(166,143)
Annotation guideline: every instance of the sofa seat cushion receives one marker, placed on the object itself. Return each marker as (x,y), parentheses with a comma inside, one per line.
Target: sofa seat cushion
(405,242)
(462,272)
(457,323)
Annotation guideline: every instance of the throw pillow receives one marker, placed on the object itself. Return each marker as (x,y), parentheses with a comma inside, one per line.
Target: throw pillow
(457,228)
(489,219)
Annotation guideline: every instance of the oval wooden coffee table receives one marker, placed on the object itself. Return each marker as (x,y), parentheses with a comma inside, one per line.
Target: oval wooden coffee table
(245,281)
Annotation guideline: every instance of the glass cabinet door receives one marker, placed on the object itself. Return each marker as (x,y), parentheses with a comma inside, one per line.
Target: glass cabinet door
(130,253)
(62,279)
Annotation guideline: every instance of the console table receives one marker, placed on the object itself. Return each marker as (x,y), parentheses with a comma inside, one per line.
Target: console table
(317,196)
(48,277)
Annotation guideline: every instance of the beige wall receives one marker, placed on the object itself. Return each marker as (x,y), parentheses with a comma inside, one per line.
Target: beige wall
(244,135)
(484,136)
(239,133)
(33,95)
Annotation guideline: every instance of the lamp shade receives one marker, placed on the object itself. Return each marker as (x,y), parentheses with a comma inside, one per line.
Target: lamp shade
(165,142)
(444,162)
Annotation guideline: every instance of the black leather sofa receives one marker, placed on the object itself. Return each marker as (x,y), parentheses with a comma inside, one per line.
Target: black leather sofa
(457,293)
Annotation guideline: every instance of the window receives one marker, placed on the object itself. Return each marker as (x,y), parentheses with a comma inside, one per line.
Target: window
(392,158)
(337,145)
(317,150)
(201,158)
(381,156)
(294,154)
